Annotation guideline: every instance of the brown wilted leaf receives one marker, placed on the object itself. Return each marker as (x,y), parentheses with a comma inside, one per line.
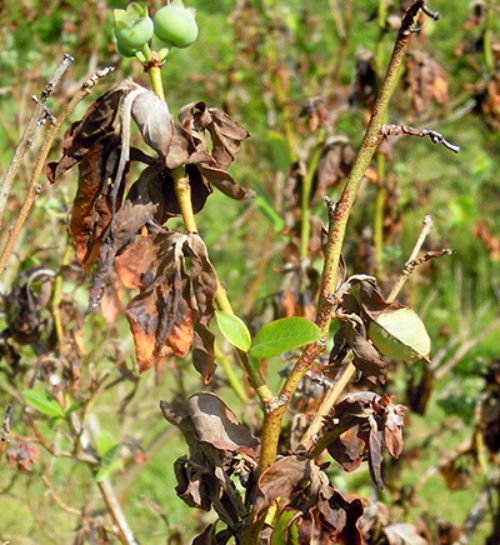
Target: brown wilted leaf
(135,261)
(393,430)
(91,213)
(205,479)
(207,537)
(97,122)
(357,430)
(111,304)
(173,309)
(489,407)
(295,480)
(375,452)
(483,233)
(317,114)
(425,79)
(218,426)
(335,164)
(340,517)
(301,485)
(128,221)
(160,316)
(364,89)
(204,282)
(366,357)
(156,185)
(224,182)
(353,335)
(25,303)
(419,388)
(225,133)
(488,102)
(188,146)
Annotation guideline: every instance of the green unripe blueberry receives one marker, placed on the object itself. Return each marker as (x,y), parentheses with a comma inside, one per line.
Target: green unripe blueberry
(176,25)
(133,28)
(124,50)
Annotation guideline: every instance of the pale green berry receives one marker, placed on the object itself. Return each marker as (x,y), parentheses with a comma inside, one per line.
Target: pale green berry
(133,28)
(176,25)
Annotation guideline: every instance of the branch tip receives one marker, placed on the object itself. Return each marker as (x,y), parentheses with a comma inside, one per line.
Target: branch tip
(432,14)
(436,137)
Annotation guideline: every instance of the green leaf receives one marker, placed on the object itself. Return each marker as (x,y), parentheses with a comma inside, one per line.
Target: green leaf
(74,407)
(108,450)
(106,471)
(234,330)
(279,150)
(110,457)
(400,334)
(42,402)
(285,531)
(104,442)
(283,335)
(55,421)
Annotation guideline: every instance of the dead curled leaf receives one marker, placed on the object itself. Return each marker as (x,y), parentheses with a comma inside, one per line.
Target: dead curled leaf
(302,486)
(425,79)
(225,133)
(214,437)
(25,303)
(173,308)
(217,425)
(97,123)
(361,427)
(172,312)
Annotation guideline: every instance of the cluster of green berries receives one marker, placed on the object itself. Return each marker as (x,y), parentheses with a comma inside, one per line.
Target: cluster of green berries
(174,25)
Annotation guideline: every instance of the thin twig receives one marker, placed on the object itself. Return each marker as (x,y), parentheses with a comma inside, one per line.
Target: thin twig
(36,120)
(409,268)
(34,188)
(5,434)
(464,448)
(436,137)
(58,498)
(124,533)
(344,376)
(466,347)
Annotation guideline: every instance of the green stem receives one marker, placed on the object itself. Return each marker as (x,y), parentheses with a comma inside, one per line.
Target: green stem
(182,189)
(487,39)
(305,227)
(256,379)
(338,224)
(156,82)
(282,102)
(57,296)
(232,379)
(378,222)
